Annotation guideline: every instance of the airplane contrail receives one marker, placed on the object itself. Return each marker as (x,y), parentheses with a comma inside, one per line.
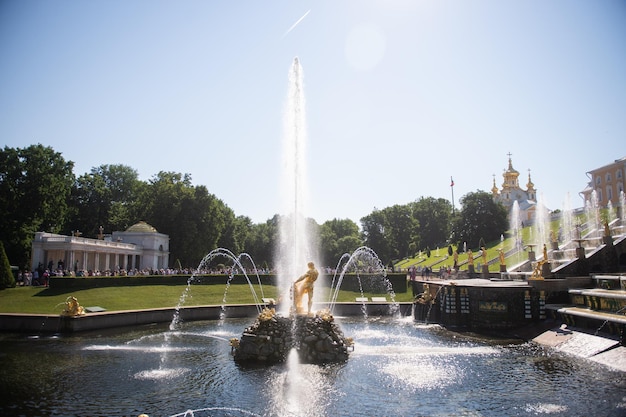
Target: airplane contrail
(296,24)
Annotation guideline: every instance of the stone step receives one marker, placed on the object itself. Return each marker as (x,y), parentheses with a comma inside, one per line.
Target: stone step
(600,316)
(598,292)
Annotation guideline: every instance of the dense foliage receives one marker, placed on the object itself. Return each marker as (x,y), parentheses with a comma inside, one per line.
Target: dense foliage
(39,192)
(481,220)
(35,186)
(7,280)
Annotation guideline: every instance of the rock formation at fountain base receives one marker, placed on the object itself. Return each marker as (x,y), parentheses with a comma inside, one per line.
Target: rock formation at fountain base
(316,338)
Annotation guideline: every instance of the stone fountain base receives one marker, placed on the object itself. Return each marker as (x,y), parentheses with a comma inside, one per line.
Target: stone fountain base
(316,338)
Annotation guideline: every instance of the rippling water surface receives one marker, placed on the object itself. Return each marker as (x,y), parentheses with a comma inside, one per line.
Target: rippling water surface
(398,368)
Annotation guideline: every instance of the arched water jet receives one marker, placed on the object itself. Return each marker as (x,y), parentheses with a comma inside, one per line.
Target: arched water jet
(237,268)
(362,261)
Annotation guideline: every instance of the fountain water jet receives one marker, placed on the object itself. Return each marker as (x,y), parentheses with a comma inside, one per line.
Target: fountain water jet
(542,224)
(295,250)
(273,337)
(567,221)
(236,268)
(515,224)
(363,261)
(621,214)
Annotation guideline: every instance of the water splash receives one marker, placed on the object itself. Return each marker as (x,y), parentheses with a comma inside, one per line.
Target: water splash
(227,411)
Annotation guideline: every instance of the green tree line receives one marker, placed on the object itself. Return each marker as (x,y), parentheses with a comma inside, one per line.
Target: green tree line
(40,192)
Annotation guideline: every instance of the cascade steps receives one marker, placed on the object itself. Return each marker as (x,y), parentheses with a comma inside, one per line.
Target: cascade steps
(601,309)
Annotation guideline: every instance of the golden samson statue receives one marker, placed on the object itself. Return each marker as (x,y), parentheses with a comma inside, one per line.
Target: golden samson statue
(304,285)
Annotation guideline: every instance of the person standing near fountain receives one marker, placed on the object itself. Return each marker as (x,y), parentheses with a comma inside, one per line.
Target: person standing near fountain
(304,285)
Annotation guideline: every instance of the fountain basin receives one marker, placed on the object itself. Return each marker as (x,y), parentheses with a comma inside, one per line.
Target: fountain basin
(55,323)
(398,367)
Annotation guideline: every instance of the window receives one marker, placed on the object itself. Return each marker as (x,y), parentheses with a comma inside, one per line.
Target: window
(598,180)
(599,195)
(608,177)
(609,193)
(618,174)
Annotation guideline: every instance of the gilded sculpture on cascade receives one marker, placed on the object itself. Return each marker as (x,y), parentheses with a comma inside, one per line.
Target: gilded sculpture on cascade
(304,285)
(72,308)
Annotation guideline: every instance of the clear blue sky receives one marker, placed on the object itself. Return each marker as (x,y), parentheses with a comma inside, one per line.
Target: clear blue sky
(401,95)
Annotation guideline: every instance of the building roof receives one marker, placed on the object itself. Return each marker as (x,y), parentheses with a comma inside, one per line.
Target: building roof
(616,162)
(141,227)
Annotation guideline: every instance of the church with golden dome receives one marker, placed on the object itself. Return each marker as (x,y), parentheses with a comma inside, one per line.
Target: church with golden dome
(510,192)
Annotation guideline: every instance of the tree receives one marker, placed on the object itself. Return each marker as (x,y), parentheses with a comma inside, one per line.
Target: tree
(480,217)
(105,197)
(435,218)
(262,241)
(237,232)
(390,231)
(374,231)
(7,280)
(401,229)
(338,236)
(35,186)
(193,218)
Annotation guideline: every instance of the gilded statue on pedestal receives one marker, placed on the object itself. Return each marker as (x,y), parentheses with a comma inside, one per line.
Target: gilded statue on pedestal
(304,285)
(72,308)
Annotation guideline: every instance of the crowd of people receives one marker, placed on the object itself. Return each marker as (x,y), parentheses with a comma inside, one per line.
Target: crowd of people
(41,275)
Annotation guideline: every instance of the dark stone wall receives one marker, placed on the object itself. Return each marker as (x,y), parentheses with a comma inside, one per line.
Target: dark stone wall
(371,283)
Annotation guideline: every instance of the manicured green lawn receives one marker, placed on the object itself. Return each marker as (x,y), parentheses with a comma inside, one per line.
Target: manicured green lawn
(39,300)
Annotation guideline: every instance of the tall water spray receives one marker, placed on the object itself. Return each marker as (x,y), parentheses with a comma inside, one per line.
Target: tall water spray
(542,224)
(592,213)
(567,221)
(610,212)
(515,224)
(622,205)
(294,249)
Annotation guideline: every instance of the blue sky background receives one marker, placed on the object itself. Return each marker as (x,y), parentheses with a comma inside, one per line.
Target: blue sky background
(401,95)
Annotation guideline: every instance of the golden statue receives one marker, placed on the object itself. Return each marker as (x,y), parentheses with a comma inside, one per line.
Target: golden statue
(501,255)
(537,275)
(545,252)
(484,255)
(425,297)
(304,285)
(72,308)
(470,257)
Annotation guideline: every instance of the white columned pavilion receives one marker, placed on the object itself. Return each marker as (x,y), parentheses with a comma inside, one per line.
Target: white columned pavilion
(139,247)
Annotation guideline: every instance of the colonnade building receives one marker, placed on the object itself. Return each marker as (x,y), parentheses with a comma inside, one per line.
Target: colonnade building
(140,247)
